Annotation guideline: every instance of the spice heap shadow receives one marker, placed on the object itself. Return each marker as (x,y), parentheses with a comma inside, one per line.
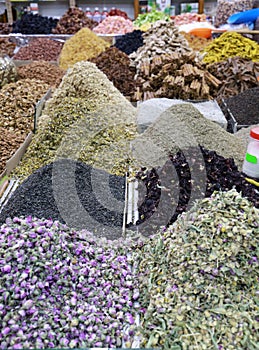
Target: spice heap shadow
(63,289)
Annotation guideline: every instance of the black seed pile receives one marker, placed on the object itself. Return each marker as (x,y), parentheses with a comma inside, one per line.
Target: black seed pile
(245,106)
(34,24)
(221,174)
(72,193)
(130,42)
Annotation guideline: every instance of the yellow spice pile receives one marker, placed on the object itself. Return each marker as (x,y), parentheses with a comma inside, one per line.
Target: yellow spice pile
(231,44)
(82,46)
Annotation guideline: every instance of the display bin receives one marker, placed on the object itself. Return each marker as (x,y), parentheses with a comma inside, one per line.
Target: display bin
(233,125)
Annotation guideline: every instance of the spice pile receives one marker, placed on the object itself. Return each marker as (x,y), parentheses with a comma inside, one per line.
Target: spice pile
(245,107)
(162,38)
(82,46)
(40,49)
(34,24)
(8,71)
(9,143)
(118,12)
(227,8)
(130,42)
(221,174)
(114,25)
(175,76)
(6,47)
(88,117)
(195,42)
(186,18)
(72,21)
(199,279)
(181,127)
(37,196)
(41,70)
(17,103)
(236,74)
(231,44)
(116,65)
(5,28)
(59,288)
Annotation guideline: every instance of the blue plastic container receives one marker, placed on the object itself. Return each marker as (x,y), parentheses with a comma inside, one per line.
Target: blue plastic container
(244,17)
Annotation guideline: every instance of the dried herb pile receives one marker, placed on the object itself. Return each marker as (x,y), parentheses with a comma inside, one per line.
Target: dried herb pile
(82,46)
(40,49)
(116,65)
(180,127)
(162,38)
(6,47)
(114,25)
(60,288)
(175,76)
(72,21)
(245,107)
(231,44)
(220,174)
(236,74)
(199,279)
(79,204)
(130,42)
(8,71)
(17,102)
(42,70)
(195,42)
(88,119)
(34,24)
(9,143)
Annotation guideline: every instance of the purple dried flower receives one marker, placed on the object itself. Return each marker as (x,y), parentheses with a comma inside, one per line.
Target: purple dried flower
(6,330)
(6,268)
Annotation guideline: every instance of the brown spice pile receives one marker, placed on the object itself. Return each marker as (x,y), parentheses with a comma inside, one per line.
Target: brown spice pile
(175,76)
(17,104)
(41,70)
(5,28)
(72,21)
(116,65)
(40,49)
(6,47)
(236,74)
(9,143)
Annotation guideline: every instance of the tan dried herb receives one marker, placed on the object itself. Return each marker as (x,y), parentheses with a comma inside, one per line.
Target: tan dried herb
(17,104)
(82,46)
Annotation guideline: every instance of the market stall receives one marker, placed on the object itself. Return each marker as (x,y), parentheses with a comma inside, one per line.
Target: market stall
(129,180)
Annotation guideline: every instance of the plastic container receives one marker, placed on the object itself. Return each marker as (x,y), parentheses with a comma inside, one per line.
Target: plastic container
(97,16)
(251,162)
(104,13)
(88,13)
